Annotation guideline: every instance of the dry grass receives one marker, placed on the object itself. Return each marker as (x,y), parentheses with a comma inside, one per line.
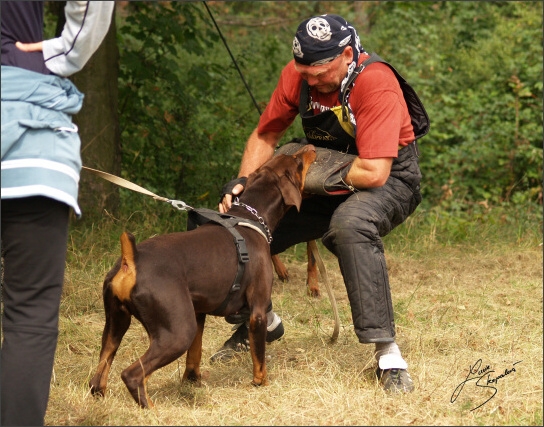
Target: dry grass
(454,305)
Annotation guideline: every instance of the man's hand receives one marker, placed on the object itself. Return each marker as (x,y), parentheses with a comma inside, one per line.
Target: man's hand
(231,189)
(29,47)
(259,148)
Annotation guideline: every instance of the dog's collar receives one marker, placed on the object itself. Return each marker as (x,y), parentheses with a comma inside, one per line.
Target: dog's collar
(254,227)
(268,235)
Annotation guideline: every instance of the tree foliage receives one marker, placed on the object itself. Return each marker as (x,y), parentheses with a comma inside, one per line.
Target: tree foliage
(186,114)
(161,92)
(478,69)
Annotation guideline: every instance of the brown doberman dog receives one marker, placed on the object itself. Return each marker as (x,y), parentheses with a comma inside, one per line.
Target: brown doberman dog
(172,281)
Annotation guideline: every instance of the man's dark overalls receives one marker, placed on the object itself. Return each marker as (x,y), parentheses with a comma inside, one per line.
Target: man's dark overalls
(351,226)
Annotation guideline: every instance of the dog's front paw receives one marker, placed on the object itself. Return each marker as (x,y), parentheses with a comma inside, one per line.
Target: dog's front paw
(193,377)
(96,388)
(259,382)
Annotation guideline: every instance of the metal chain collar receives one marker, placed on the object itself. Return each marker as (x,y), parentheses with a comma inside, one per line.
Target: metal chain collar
(236,202)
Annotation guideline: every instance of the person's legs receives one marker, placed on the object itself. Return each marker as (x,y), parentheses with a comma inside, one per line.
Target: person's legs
(310,223)
(354,236)
(34,241)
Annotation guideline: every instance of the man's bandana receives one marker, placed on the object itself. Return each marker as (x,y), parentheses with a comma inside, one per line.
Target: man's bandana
(321,39)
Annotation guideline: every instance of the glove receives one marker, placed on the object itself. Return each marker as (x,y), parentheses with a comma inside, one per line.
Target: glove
(227,188)
(326,175)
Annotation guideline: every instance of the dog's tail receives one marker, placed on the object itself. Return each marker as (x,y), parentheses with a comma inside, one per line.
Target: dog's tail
(125,278)
(118,286)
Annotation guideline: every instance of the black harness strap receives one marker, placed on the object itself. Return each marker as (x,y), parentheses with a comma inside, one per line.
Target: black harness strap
(201,216)
(420,119)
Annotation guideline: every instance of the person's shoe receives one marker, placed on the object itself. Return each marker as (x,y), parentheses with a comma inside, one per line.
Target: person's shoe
(275,330)
(239,341)
(395,380)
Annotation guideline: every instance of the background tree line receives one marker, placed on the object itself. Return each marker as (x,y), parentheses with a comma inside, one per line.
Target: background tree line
(166,107)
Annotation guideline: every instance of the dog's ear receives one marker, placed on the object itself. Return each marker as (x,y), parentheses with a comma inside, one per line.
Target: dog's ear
(290,192)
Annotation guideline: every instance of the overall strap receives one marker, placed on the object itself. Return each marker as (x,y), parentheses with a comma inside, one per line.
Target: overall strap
(373,58)
(420,118)
(303,104)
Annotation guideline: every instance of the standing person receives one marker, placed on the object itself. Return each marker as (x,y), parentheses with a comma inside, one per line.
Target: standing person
(41,162)
(368,111)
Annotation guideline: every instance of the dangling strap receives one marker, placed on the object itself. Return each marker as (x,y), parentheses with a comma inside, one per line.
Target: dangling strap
(373,58)
(303,104)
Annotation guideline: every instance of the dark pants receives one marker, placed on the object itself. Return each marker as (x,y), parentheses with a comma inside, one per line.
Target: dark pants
(351,227)
(34,242)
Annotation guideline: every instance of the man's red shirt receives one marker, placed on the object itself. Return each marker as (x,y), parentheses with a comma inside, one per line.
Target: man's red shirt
(376,100)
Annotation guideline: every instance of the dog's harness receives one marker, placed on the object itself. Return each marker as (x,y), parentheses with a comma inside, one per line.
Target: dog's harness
(201,216)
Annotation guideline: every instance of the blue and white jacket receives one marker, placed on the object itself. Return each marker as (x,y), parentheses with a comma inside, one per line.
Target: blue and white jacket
(40,144)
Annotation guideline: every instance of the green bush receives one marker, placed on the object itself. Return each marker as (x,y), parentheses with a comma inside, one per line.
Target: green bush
(186,113)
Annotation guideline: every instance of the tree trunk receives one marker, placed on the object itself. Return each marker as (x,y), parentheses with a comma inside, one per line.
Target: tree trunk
(98,124)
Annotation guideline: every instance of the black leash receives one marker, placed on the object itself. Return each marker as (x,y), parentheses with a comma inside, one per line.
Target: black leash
(232,57)
(313,244)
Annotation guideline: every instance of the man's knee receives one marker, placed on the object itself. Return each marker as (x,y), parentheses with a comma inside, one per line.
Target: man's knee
(345,230)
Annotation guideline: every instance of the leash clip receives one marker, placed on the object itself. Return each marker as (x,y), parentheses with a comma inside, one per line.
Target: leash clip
(180,205)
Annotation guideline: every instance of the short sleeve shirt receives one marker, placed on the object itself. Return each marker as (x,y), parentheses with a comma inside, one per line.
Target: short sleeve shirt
(376,100)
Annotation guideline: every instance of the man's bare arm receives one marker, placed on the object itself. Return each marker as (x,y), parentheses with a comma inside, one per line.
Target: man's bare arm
(369,173)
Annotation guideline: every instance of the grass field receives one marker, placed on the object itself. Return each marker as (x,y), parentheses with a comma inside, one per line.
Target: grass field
(460,305)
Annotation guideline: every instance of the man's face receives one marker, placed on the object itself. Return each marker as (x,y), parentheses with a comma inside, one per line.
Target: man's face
(327,78)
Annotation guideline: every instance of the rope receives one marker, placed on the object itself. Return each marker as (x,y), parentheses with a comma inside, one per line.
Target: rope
(311,244)
(178,204)
(232,57)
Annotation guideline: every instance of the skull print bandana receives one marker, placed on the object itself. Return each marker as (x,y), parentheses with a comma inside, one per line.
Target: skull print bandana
(323,38)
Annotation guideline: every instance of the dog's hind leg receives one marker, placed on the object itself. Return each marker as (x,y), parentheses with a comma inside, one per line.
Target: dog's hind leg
(117,323)
(171,327)
(194,354)
(257,345)
(163,350)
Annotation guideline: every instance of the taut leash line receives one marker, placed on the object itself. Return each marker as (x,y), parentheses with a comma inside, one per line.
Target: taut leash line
(178,204)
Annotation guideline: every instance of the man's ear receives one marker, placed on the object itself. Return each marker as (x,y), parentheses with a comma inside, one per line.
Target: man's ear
(348,53)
